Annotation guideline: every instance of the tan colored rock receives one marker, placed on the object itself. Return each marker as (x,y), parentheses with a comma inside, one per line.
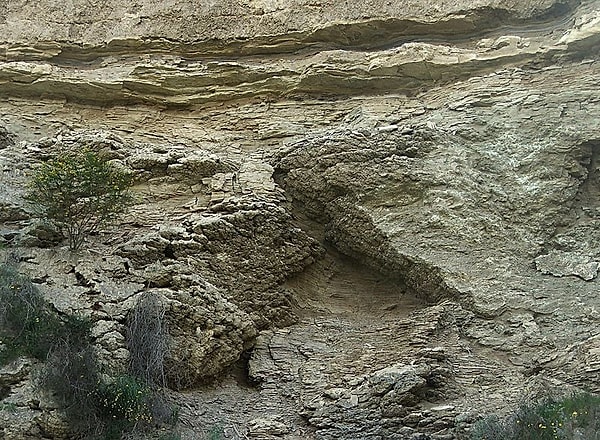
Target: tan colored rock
(241,19)
(566,263)
(207,333)
(443,148)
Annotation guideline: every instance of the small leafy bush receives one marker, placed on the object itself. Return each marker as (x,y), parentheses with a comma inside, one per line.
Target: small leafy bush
(575,416)
(124,399)
(80,192)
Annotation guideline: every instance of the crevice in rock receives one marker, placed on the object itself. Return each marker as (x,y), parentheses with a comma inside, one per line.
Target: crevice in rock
(4,392)
(82,280)
(170,252)
(583,216)
(240,371)
(347,228)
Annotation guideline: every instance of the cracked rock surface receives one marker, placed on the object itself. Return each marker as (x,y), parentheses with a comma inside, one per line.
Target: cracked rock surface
(364,220)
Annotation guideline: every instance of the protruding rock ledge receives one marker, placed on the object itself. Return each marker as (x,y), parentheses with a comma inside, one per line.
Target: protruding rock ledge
(346,59)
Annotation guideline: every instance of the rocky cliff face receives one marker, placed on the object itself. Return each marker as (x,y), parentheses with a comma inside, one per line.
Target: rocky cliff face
(366,220)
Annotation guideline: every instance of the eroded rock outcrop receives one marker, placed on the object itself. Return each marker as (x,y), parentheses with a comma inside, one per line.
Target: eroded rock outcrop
(207,333)
(389,211)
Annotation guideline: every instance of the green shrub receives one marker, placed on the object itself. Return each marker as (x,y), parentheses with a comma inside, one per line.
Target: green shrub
(72,375)
(9,407)
(575,416)
(80,192)
(170,436)
(124,399)
(28,326)
(215,433)
(95,407)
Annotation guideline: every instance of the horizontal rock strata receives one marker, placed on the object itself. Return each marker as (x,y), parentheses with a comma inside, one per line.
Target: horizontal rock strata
(363,220)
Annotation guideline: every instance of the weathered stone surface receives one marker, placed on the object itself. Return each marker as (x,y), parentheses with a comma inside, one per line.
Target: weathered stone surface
(40,234)
(13,374)
(182,77)
(267,428)
(562,264)
(349,386)
(392,391)
(11,211)
(208,333)
(392,206)
(6,137)
(243,20)
(21,405)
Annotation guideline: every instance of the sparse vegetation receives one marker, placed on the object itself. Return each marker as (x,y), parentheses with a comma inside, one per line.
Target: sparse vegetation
(80,192)
(147,341)
(28,326)
(215,433)
(170,436)
(95,406)
(72,375)
(573,417)
(124,399)
(8,407)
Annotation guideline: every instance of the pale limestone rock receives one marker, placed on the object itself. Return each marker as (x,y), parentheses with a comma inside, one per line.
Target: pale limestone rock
(264,428)
(447,146)
(562,264)
(386,395)
(129,25)
(145,249)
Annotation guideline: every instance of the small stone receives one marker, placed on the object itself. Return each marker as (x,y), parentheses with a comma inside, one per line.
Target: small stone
(442,408)
(261,427)
(561,264)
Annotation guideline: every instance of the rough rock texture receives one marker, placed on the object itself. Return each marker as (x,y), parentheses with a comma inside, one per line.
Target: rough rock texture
(365,220)
(207,332)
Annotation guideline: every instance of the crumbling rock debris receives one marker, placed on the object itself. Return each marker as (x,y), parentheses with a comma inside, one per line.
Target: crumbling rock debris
(381,406)
(266,428)
(207,332)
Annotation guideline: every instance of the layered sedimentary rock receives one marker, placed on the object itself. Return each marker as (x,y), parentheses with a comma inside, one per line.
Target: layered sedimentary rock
(388,211)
